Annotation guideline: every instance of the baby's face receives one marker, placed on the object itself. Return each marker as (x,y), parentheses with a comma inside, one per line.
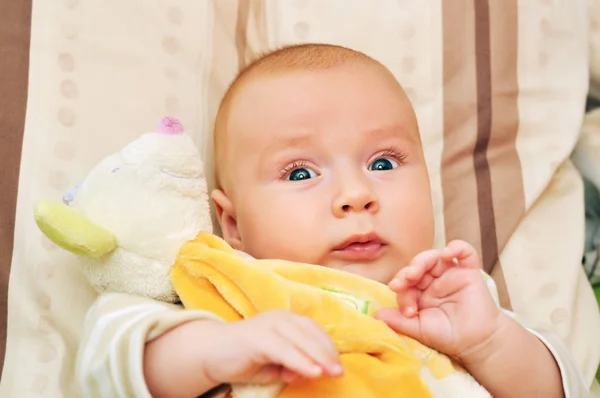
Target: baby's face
(326,167)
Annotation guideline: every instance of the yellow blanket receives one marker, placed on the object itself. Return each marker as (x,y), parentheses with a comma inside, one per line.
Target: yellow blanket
(210,275)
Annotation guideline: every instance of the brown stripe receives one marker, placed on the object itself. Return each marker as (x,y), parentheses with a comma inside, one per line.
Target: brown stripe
(487,222)
(459,183)
(481,172)
(508,193)
(15,28)
(498,276)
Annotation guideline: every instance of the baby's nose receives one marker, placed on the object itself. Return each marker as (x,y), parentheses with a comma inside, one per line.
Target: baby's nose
(367,206)
(357,199)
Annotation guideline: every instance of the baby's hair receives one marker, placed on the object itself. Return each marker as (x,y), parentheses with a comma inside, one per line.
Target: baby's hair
(288,58)
(303,56)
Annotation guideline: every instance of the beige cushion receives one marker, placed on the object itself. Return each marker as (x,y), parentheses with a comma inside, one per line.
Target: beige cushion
(498,129)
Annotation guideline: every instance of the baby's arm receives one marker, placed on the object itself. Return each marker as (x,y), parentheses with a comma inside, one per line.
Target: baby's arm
(573,383)
(514,363)
(139,347)
(173,362)
(271,347)
(111,357)
(448,307)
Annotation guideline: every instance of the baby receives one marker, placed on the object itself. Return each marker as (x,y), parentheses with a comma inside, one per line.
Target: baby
(318,159)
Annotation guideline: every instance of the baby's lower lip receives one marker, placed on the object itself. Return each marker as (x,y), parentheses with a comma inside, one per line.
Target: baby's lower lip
(360,251)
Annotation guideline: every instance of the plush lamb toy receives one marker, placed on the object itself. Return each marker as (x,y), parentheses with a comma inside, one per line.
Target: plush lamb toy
(132,213)
(140,222)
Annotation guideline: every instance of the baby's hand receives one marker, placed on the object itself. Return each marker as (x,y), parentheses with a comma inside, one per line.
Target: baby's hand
(272,346)
(443,301)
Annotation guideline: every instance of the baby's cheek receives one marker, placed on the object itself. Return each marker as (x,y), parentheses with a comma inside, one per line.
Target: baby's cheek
(262,234)
(284,225)
(284,239)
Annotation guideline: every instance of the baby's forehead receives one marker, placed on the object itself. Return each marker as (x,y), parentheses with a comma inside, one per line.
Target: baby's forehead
(307,96)
(279,85)
(238,110)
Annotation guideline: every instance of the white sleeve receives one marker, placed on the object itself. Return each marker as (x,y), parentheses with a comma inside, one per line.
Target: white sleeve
(117,328)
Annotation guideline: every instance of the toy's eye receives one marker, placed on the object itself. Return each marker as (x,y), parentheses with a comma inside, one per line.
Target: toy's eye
(115,169)
(69,196)
(176,175)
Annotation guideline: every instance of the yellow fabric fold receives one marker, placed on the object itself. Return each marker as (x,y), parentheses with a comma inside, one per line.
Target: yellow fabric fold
(209,275)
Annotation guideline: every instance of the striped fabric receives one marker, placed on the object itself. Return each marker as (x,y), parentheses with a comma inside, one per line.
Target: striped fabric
(14,45)
(481,122)
(498,87)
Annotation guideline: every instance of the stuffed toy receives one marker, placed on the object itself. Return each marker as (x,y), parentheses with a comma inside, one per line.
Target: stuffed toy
(140,223)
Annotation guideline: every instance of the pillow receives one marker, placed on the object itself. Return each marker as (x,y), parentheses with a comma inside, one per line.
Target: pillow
(99,76)
(499,91)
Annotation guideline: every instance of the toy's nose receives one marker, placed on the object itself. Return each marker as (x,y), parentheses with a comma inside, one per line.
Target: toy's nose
(169,125)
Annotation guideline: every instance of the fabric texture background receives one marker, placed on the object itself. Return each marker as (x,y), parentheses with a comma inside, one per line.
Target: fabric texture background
(499,89)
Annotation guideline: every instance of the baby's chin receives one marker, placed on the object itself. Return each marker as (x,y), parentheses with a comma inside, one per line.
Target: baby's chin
(374,271)
(381,270)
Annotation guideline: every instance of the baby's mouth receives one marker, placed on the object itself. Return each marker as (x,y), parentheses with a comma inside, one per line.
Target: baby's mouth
(360,247)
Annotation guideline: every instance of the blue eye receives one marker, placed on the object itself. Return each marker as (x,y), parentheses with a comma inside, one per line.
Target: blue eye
(301,174)
(382,164)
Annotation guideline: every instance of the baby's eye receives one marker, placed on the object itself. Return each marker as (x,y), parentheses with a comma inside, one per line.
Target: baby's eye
(300,174)
(382,164)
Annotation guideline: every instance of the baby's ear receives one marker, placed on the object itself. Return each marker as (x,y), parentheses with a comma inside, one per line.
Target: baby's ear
(227,219)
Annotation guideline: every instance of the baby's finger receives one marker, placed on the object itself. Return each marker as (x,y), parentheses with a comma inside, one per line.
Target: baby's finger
(287,376)
(407,302)
(426,280)
(285,353)
(445,287)
(310,338)
(442,266)
(465,254)
(315,332)
(413,273)
(401,324)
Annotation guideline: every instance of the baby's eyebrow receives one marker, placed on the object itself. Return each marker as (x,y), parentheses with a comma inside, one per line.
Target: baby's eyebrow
(285,142)
(383,133)
(311,138)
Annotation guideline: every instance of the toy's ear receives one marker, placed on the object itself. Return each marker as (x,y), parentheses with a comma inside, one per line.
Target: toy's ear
(72,231)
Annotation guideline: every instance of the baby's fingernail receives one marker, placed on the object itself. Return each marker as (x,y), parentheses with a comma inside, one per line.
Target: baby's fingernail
(315,371)
(394,284)
(336,370)
(409,312)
